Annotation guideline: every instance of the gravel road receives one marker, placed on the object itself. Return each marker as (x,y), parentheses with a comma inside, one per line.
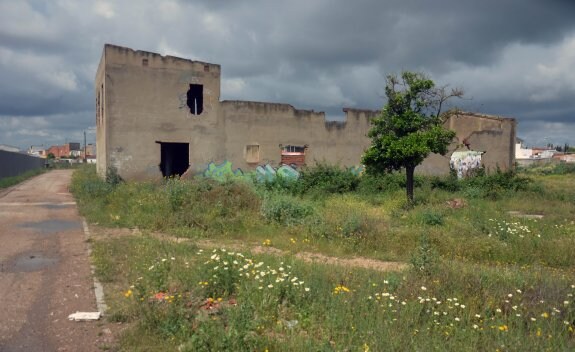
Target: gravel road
(45,270)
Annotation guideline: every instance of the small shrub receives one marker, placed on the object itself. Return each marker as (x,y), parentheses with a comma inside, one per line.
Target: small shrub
(285,210)
(473,192)
(113,177)
(326,179)
(448,183)
(370,184)
(425,258)
(563,169)
(432,218)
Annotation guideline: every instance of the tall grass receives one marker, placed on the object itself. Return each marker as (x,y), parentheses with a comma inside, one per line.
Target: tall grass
(194,300)
(482,278)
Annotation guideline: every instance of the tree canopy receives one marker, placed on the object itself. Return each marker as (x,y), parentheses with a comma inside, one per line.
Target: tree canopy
(410,126)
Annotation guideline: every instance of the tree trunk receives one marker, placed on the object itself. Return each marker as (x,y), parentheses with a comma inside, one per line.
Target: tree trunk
(409,170)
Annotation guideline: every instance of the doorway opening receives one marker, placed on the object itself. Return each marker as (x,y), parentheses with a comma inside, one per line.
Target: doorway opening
(195,99)
(175,158)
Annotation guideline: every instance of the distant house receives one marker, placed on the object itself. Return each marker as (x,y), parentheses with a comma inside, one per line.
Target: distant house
(36,150)
(65,151)
(532,156)
(521,152)
(90,150)
(543,152)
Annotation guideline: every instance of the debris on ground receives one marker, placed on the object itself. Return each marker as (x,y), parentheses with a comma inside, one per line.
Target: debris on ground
(85,316)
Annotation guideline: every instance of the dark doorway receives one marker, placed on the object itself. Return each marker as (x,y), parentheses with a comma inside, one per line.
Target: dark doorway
(196,99)
(175,158)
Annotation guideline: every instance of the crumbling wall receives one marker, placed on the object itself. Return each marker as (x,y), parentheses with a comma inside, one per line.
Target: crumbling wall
(147,101)
(492,135)
(272,127)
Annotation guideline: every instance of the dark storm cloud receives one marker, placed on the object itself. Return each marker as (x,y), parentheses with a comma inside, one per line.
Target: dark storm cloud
(512,57)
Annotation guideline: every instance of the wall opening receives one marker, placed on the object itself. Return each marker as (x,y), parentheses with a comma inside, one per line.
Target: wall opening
(196,99)
(293,155)
(175,158)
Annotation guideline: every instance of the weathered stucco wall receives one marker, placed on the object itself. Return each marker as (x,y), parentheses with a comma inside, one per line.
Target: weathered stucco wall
(271,125)
(101,134)
(146,103)
(142,98)
(493,135)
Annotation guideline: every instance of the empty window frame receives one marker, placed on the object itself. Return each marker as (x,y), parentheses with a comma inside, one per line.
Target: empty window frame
(293,149)
(293,155)
(196,99)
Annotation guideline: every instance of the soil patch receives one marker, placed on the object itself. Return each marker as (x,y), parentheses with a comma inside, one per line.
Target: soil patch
(356,262)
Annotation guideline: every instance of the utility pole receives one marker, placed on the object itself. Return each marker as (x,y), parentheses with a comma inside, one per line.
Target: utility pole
(84,147)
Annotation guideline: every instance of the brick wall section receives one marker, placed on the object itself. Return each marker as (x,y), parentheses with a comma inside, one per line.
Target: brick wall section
(298,160)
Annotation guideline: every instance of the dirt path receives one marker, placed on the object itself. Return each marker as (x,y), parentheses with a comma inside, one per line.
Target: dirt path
(356,262)
(45,270)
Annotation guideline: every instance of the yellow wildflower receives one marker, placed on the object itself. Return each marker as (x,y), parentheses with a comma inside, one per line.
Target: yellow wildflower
(128,294)
(340,289)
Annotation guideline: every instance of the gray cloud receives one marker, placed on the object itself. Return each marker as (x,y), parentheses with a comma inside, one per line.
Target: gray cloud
(513,58)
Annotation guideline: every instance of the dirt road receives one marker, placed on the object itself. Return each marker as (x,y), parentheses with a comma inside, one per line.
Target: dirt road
(44,270)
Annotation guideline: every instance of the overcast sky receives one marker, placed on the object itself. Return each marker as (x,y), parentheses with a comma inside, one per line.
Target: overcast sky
(514,58)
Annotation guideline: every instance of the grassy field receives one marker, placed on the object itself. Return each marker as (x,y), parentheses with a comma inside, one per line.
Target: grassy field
(480,277)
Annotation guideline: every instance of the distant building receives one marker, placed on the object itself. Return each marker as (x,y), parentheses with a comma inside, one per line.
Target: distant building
(564,157)
(543,152)
(90,150)
(65,151)
(37,150)
(521,152)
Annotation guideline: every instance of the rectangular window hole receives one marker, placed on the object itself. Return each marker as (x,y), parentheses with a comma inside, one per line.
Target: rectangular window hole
(196,99)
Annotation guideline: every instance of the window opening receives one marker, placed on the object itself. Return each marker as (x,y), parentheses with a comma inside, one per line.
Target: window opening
(144,62)
(293,155)
(293,149)
(98,108)
(102,101)
(196,98)
(175,158)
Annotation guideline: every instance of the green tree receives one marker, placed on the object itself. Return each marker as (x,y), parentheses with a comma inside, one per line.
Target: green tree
(50,156)
(410,126)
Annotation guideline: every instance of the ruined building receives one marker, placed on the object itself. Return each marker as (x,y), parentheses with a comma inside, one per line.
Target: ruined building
(162,115)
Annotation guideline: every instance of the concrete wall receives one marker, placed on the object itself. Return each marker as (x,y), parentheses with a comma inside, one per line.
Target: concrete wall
(271,125)
(141,100)
(493,135)
(145,103)
(14,164)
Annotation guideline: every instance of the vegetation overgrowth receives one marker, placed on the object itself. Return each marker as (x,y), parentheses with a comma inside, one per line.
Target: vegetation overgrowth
(481,278)
(14,180)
